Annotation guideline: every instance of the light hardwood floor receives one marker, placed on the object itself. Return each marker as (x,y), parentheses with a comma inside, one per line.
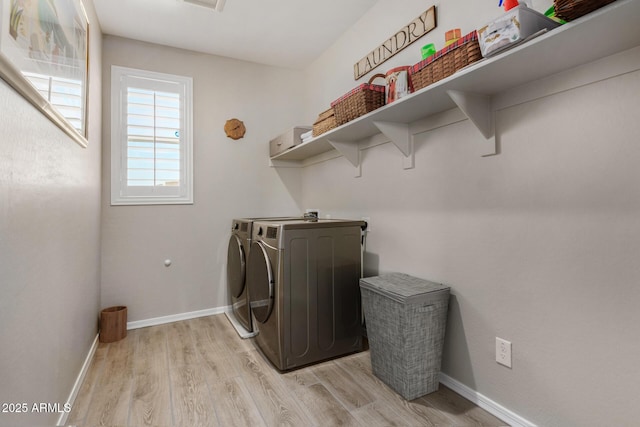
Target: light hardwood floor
(200,373)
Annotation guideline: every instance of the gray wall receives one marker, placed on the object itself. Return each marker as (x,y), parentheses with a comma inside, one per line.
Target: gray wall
(231,179)
(539,243)
(49,249)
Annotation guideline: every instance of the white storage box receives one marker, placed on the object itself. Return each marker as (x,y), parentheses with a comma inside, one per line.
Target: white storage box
(287,140)
(512,28)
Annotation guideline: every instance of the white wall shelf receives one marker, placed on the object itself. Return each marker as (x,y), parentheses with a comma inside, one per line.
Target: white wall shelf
(609,30)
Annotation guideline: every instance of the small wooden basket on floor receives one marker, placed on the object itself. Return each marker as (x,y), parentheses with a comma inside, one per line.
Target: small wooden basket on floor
(113,324)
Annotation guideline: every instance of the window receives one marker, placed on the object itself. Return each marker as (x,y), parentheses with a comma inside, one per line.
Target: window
(151,138)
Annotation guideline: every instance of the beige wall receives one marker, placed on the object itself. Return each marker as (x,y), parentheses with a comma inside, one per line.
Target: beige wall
(231,179)
(49,249)
(539,243)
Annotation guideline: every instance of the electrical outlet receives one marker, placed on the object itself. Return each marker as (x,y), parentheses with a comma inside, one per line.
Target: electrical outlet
(503,352)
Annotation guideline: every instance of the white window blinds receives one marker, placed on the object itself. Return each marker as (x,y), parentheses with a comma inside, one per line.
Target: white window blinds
(152,125)
(153,138)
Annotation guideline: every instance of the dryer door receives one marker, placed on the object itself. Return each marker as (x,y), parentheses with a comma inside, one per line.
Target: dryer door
(261,282)
(236,266)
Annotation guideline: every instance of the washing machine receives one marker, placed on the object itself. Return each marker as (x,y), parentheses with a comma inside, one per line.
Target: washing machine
(237,253)
(303,282)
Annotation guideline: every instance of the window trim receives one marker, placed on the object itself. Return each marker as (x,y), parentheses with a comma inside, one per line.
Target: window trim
(121,193)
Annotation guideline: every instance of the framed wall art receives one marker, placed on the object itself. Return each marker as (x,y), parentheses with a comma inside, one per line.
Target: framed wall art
(44,55)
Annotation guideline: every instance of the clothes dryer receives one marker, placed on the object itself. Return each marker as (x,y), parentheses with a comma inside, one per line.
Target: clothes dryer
(237,253)
(303,281)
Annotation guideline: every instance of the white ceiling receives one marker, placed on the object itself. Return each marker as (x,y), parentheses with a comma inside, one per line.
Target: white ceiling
(288,33)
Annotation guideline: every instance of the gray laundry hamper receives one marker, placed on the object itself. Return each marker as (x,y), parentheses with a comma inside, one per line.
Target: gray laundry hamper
(406,319)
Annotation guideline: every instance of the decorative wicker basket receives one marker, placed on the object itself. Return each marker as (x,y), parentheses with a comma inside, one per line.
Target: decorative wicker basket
(325,122)
(359,101)
(446,61)
(573,9)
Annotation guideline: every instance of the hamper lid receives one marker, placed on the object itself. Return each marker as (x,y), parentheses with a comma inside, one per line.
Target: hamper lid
(403,287)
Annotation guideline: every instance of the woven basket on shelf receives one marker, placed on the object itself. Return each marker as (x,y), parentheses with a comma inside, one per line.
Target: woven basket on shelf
(325,122)
(359,101)
(446,61)
(573,9)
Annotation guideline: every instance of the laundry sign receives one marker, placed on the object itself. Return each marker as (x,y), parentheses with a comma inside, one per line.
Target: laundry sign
(403,38)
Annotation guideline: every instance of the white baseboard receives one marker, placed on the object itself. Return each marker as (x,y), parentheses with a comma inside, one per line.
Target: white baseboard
(76,386)
(485,403)
(176,317)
